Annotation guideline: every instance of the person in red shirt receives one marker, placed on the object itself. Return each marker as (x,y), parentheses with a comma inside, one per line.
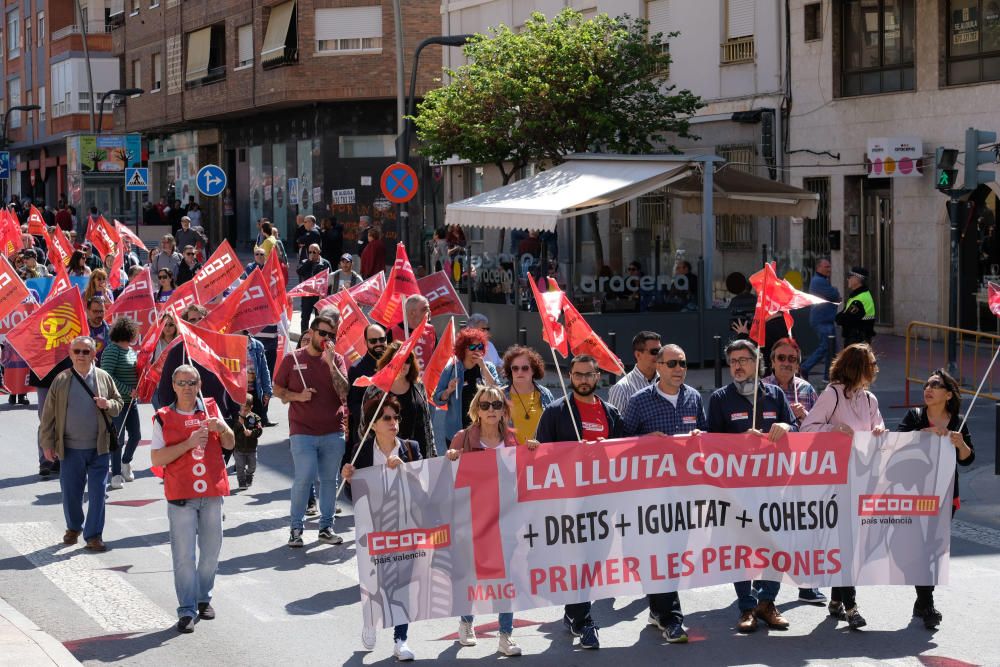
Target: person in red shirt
(314,380)
(64,219)
(188,438)
(373,256)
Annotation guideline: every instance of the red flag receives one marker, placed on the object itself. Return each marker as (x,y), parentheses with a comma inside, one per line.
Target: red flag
(385,377)
(318,285)
(994,298)
(276,283)
(125,232)
(249,306)
(36,224)
(441,295)
(775,295)
(117,268)
(61,282)
(102,236)
(351,331)
(223,355)
(388,310)
(13,291)
(16,316)
(179,300)
(549,308)
(443,353)
(584,340)
(149,379)
(10,233)
(43,338)
(148,347)
(60,249)
(364,293)
(218,273)
(136,302)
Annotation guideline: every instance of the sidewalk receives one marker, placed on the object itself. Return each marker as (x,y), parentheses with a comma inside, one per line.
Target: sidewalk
(22,643)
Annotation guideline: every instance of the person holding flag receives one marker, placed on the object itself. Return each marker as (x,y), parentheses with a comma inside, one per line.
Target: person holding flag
(460,379)
(314,380)
(416,309)
(119,360)
(310,266)
(375,342)
(416,417)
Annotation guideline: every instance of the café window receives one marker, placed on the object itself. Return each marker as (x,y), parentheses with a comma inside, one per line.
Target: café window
(877,46)
(736,232)
(973,41)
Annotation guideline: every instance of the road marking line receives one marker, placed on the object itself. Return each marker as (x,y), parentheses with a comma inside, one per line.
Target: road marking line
(105,596)
(973,532)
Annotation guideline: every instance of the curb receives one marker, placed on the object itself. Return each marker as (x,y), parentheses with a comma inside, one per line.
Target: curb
(32,646)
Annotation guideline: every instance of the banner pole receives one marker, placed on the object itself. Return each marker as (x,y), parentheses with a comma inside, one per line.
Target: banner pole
(979,389)
(756,386)
(406,325)
(125,418)
(361,443)
(565,393)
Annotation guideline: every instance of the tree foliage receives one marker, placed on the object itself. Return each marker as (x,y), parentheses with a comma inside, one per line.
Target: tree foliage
(557,87)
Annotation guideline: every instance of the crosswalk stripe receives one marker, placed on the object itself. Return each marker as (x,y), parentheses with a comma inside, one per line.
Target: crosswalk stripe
(105,596)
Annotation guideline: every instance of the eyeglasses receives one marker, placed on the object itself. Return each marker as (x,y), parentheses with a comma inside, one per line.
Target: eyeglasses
(519,369)
(584,376)
(491,405)
(259,254)
(673,363)
(790,358)
(313,252)
(475,347)
(376,341)
(653,351)
(934,384)
(82,353)
(189,254)
(186,383)
(390,418)
(741,361)
(164,277)
(332,335)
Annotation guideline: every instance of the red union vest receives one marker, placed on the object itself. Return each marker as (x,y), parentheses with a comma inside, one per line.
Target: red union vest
(187,478)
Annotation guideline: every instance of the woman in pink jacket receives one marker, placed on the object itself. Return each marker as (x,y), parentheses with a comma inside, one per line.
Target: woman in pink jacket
(847,406)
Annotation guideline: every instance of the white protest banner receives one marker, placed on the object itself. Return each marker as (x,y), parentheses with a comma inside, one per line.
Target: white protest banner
(513,529)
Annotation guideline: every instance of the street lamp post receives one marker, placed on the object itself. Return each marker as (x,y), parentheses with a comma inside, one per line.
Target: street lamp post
(403,146)
(5,141)
(121,92)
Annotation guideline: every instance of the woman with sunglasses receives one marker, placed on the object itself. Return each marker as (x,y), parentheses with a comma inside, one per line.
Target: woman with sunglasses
(78,264)
(167,335)
(384,447)
(98,286)
(461,377)
(940,414)
(415,418)
(846,406)
(523,367)
(165,280)
(489,416)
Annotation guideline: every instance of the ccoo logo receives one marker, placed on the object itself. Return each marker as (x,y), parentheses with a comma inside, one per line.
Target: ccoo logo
(60,326)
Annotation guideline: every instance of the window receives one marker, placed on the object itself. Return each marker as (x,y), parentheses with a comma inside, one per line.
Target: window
(658,15)
(973,41)
(739,44)
(41,28)
(244,39)
(349,30)
(206,56)
(13,34)
(83,102)
(373,145)
(153,4)
(813,21)
(737,232)
(137,73)
(13,100)
(816,235)
(135,7)
(281,39)
(877,46)
(157,72)
(41,103)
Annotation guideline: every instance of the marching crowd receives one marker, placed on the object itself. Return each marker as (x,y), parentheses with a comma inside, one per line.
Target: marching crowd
(89,426)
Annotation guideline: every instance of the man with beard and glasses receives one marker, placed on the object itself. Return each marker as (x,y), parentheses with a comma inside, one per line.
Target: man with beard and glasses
(595,421)
(375,341)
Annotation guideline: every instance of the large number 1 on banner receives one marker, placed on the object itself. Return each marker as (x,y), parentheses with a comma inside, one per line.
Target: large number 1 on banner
(479,472)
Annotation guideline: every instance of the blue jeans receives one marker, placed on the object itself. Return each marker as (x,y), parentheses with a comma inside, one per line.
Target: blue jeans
(316,456)
(129,416)
(84,467)
(749,593)
(505,618)
(823,352)
(399,632)
(196,523)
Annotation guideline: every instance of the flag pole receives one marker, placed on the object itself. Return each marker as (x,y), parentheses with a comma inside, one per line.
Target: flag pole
(125,417)
(406,325)
(565,393)
(979,389)
(361,444)
(756,386)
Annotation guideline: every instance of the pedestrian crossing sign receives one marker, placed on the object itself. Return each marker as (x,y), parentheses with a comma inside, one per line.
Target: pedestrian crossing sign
(137,179)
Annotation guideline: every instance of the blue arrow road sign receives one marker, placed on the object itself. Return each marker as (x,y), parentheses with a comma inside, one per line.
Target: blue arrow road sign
(4,165)
(137,179)
(211,180)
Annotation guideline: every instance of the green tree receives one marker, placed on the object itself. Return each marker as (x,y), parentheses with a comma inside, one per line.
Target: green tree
(557,87)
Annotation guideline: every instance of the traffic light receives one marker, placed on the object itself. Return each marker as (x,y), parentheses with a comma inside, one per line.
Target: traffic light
(945,173)
(974,157)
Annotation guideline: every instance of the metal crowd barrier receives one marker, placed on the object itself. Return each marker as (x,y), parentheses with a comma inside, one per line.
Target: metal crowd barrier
(927,350)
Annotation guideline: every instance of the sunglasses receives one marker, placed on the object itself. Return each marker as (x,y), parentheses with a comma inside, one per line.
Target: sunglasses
(82,353)
(790,358)
(332,335)
(654,351)
(164,277)
(520,369)
(189,254)
(488,405)
(475,347)
(673,363)
(186,383)
(390,418)
(934,384)
(376,341)
(259,254)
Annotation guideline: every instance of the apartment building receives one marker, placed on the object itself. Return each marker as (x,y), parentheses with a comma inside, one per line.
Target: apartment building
(295,99)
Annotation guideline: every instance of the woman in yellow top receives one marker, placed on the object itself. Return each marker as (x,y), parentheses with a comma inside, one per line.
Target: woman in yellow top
(523,368)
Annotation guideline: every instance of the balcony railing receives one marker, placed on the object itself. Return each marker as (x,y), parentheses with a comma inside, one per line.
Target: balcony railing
(738,50)
(74,29)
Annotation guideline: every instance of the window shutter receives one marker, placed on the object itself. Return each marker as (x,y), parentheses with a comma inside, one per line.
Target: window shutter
(199,48)
(277,32)
(348,23)
(245,40)
(658,15)
(739,18)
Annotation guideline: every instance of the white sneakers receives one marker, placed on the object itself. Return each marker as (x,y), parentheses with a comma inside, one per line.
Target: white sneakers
(117,482)
(127,474)
(402,651)
(466,633)
(507,645)
(368,637)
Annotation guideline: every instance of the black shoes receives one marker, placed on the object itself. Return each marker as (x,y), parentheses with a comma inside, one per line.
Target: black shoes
(269,423)
(185,625)
(205,611)
(931,617)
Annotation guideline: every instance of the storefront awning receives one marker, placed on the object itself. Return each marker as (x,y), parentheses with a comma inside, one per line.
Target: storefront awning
(740,193)
(567,190)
